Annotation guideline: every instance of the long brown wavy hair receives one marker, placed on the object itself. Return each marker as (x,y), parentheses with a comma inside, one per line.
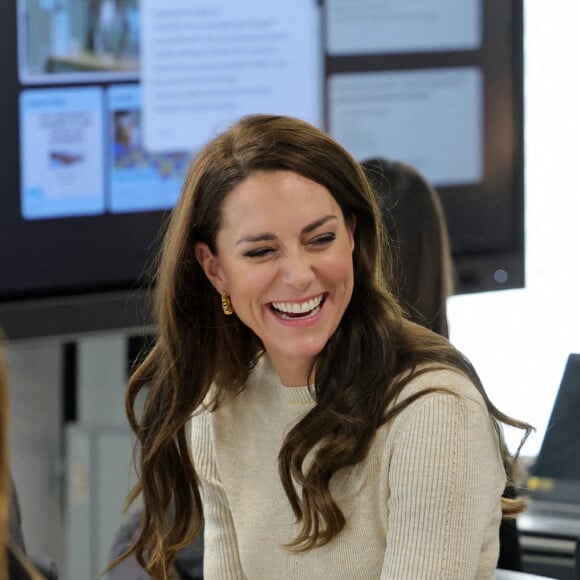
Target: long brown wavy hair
(357,373)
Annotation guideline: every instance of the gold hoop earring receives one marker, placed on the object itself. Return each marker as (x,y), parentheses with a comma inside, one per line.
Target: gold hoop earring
(227,304)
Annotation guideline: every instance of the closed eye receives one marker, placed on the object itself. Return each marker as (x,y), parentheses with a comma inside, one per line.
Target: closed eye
(258,252)
(323,239)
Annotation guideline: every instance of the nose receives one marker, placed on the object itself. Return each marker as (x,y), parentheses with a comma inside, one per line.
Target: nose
(297,271)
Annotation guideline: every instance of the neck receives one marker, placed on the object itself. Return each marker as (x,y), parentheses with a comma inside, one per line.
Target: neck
(292,372)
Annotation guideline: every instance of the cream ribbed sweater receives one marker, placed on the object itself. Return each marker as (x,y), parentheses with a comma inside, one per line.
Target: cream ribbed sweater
(425,503)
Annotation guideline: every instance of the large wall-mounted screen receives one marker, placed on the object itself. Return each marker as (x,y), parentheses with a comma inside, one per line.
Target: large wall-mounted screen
(105,102)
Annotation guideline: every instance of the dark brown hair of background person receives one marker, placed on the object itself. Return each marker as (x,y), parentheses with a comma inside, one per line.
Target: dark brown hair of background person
(423,265)
(198,346)
(415,222)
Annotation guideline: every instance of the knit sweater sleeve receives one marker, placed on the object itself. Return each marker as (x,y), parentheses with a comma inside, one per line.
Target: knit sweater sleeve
(221,555)
(445,478)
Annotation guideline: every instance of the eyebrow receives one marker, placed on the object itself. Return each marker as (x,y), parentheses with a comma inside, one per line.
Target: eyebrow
(306,230)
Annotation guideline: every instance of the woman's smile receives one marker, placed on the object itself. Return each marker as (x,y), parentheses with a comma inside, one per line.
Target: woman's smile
(305,310)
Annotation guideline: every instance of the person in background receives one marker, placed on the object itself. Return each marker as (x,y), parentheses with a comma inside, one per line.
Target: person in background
(423,264)
(188,563)
(15,519)
(289,407)
(415,223)
(13,563)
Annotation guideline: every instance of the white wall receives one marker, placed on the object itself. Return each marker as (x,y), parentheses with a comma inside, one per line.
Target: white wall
(519,340)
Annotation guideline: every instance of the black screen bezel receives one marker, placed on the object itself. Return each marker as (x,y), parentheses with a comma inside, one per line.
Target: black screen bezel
(76,275)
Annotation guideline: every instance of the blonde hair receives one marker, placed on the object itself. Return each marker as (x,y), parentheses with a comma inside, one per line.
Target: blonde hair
(5,484)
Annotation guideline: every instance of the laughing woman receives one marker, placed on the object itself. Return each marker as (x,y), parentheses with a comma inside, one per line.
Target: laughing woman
(288,404)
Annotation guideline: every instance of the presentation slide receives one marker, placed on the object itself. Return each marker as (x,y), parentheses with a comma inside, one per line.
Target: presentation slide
(431,119)
(355,27)
(206,63)
(63,41)
(61,149)
(138,179)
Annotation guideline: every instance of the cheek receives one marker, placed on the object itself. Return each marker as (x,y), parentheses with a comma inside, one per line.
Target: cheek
(248,283)
(339,271)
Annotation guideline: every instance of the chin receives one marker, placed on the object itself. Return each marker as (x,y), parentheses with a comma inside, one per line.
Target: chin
(305,353)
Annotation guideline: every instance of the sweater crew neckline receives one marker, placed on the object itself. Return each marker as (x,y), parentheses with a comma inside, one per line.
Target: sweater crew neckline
(298,395)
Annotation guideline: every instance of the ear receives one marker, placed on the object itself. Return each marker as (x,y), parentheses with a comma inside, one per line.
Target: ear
(351,227)
(210,265)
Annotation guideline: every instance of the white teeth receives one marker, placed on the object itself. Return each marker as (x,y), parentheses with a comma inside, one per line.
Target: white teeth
(298,308)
